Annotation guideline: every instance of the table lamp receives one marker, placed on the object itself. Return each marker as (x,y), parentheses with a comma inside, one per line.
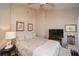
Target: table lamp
(11,36)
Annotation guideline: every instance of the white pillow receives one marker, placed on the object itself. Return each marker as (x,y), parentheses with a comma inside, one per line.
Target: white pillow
(29,35)
(20,35)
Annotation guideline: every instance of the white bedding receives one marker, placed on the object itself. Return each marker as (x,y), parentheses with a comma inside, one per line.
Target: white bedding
(50,48)
(40,47)
(26,47)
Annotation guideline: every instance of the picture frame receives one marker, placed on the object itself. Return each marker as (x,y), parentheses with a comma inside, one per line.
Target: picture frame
(70,27)
(30,27)
(19,26)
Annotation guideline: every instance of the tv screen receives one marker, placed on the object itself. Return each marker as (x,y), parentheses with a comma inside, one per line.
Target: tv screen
(55,33)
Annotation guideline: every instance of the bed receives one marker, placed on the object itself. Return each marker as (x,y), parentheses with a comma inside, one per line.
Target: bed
(41,47)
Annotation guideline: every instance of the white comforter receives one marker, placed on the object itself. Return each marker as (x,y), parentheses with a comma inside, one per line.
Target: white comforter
(50,48)
(41,47)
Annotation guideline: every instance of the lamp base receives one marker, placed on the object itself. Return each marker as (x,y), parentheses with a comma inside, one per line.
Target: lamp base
(13,41)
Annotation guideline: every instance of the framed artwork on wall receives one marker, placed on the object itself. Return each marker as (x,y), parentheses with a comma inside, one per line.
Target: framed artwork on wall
(19,26)
(30,27)
(71,28)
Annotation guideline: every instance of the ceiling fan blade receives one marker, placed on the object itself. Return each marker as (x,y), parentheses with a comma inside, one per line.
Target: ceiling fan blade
(51,4)
(30,3)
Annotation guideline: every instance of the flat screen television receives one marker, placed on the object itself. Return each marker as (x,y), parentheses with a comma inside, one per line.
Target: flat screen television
(55,33)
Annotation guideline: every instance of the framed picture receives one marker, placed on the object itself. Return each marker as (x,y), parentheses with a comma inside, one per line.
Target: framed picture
(71,28)
(19,26)
(30,27)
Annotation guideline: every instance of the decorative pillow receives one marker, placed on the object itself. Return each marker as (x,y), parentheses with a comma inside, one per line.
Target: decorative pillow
(20,35)
(29,35)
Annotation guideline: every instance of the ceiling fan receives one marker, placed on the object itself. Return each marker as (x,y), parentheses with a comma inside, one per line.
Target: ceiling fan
(42,5)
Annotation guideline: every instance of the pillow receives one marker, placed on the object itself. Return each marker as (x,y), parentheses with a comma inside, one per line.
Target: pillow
(20,36)
(29,35)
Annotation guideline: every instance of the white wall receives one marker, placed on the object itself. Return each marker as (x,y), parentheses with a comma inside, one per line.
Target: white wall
(22,14)
(10,13)
(4,19)
(56,19)
(78,31)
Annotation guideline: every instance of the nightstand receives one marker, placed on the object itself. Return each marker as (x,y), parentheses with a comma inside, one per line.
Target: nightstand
(74,50)
(9,52)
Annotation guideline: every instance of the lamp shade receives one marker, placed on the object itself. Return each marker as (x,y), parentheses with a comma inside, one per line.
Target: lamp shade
(10,35)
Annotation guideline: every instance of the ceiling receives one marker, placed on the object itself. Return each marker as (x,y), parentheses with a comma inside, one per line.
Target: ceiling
(56,6)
